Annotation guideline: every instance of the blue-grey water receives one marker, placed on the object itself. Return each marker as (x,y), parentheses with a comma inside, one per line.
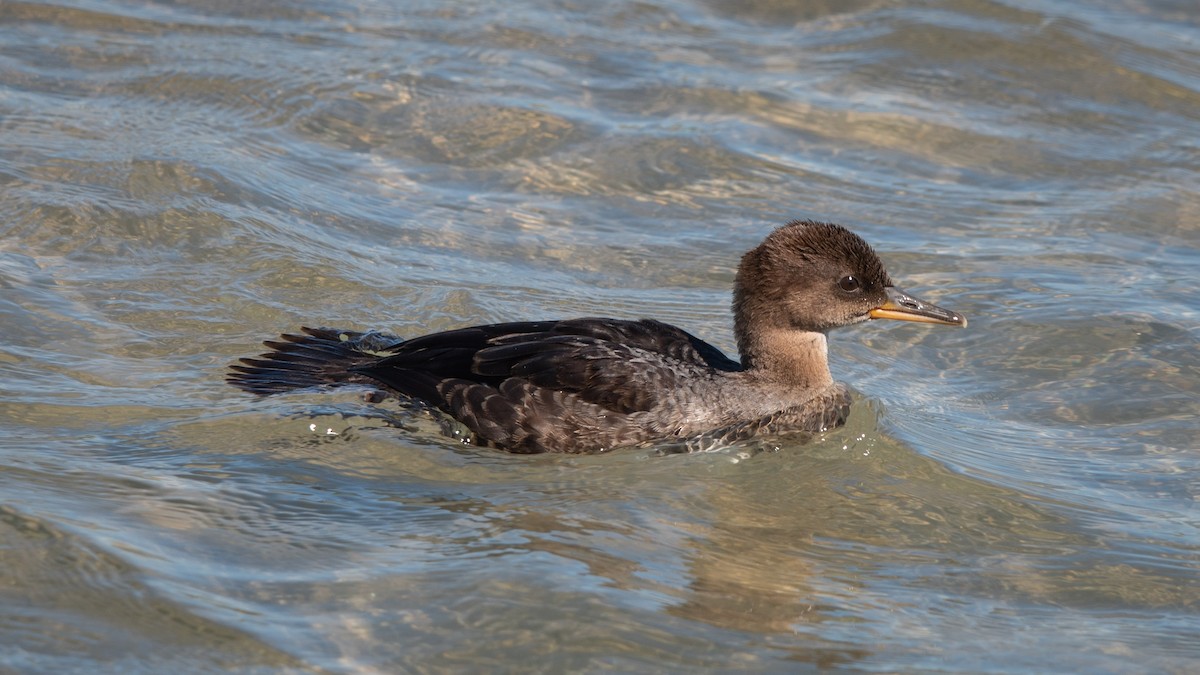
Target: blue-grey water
(180,180)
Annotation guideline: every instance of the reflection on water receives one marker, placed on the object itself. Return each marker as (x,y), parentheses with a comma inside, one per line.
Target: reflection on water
(178,181)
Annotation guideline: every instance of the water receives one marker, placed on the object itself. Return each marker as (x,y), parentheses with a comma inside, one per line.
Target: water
(181,180)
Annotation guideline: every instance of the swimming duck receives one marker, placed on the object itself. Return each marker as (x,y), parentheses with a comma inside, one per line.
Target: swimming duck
(594,384)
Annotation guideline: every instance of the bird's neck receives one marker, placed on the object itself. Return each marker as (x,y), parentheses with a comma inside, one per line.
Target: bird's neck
(794,357)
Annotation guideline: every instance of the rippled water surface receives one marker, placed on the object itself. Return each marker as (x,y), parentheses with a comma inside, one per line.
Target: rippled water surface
(180,180)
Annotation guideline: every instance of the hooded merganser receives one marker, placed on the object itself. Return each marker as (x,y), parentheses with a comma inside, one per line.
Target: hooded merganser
(590,385)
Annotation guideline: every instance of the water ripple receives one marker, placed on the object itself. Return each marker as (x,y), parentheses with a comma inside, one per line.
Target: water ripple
(179,181)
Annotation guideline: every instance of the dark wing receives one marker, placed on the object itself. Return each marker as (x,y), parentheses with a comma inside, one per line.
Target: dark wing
(652,336)
(621,366)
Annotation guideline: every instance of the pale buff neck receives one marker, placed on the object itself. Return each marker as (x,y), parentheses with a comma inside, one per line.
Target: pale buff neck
(796,358)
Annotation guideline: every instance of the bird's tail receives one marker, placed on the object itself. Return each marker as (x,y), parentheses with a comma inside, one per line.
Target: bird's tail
(319,357)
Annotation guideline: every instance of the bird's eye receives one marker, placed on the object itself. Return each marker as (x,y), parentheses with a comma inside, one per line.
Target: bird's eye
(849,283)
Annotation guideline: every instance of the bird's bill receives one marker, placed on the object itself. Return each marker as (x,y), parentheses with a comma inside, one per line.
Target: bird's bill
(903,307)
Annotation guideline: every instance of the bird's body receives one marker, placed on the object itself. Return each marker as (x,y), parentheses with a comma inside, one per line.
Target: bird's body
(593,384)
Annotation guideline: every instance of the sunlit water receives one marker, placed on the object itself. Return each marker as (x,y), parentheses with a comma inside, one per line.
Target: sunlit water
(179,181)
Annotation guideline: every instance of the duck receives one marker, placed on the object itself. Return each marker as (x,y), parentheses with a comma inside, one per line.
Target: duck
(592,385)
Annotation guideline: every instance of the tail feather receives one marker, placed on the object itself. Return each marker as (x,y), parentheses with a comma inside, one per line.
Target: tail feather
(319,357)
